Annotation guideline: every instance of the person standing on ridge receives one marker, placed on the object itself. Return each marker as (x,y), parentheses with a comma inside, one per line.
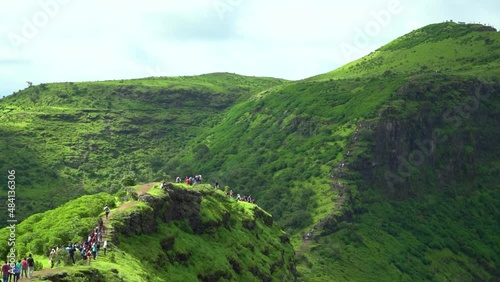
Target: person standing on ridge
(17,270)
(52,257)
(105,246)
(24,268)
(89,256)
(31,266)
(5,271)
(106,209)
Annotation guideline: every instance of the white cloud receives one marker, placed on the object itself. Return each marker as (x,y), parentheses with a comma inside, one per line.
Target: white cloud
(68,40)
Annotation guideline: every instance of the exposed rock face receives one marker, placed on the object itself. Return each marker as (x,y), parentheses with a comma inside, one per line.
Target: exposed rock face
(435,137)
(185,204)
(178,204)
(138,222)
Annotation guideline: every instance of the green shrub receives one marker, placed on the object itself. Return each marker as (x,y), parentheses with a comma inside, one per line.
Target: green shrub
(38,265)
(129,181)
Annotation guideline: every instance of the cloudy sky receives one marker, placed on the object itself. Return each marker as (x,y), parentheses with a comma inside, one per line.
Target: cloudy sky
(69,40)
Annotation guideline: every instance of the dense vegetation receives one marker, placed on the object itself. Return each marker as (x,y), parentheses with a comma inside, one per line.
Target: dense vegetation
(68,139)
(389,162)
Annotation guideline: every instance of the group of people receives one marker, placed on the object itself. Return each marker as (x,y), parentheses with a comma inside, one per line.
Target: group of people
(197,179)
(243,198)
(89,248)
(190,180)
(15,271)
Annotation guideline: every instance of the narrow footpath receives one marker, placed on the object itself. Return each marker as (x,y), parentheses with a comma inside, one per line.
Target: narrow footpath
(339,202)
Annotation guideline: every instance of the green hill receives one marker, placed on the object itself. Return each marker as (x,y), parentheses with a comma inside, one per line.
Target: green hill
(385,169)
(447,48)
(176,234)
(68,139)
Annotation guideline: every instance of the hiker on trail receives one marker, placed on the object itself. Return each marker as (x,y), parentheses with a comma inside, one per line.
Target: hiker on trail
(12,276)
(24,268)
(83,252)
(187,180)
(216,185)
(106,209)
(31,265)
(71,252)
(94,250)
(89,255)
(105,246)
(98,247)
(101,224)
(177,179)
(5,272)
(17,270)
(197,178)
(51,257)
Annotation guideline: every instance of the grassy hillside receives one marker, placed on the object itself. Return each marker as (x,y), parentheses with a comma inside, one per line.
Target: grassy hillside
(238,240)
(385,169)
(67,139)
(370,219)
(281,146)
(447,48)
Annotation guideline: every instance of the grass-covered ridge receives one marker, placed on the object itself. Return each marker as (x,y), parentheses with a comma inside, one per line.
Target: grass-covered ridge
(470,49)
(238,242)
(68,139)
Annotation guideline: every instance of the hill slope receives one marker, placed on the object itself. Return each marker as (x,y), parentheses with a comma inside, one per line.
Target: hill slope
(68,139)
(177,234)
(385,169)
(363,159)
(447,48)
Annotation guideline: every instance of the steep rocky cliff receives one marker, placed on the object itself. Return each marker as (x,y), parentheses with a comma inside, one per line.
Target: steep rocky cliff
(439,132)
